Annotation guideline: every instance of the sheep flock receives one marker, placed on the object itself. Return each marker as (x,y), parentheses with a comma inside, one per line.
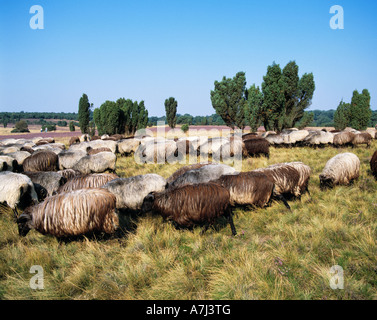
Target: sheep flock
(74,190)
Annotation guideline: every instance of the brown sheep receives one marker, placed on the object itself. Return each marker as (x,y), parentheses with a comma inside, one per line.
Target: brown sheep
(250,189)
(343,139)
(362,138)
(41,142)
(41,161)
(192,205)
(248,136)
(373,164)
(74,140)
(286,179)
(257,147)
(95,180)
(27,149)
(80,212)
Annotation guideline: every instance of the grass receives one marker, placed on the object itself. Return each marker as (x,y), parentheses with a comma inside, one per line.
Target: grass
(277,254)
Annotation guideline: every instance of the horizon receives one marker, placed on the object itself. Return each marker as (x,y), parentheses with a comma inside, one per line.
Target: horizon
(150,51)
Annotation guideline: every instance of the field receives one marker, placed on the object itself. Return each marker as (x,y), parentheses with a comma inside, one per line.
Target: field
(277,254)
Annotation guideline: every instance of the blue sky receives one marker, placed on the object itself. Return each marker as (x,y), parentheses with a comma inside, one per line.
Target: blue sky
(151,50)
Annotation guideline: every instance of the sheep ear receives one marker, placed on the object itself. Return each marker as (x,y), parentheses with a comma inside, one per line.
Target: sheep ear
(23,218)
(150,197)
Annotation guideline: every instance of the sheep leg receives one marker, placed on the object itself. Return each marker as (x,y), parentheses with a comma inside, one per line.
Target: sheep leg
(281,198)
(230,220)
(205,228)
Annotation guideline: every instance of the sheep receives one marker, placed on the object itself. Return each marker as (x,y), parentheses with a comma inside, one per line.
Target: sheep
(69,173)
(343,139)
(41,142)
(46,183)
(275,139)
(372,132)
(20,156)
(80,212)
(213,146)
(191,205)
(17,190)
(94,180)
(27,149)
(183,170)
(340,170)
(68,159)
(84,138)
(285,177)
(91,151)
(157,152)
(362,138)
(112,145)
(130,192)
(257,147)
(234,148)
(204,174)
(74,140)
(8,163)
(373,164)
(296,137)
(186,147)
(41,161)
(250,188)
(96,163)
(304,172)
(319,138)
(128,146)
(248,136)
(49,147)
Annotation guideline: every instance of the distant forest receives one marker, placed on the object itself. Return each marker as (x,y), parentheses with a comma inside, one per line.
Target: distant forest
(321,118)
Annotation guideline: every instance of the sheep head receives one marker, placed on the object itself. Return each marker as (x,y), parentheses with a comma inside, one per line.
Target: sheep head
(24,223)
(148,203)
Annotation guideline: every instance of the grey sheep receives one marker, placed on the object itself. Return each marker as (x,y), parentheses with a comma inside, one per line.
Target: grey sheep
(96,163)
(46,183)
(130,192)
(204,174)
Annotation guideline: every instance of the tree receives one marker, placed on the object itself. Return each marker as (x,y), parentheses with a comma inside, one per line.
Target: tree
(360,112)
(185,127)
(283,99)
(356,114)
(342,116)
(84,113)
(254,107)
(20,126)
(122,116)
(171,111)
(298,94)
(229,100)
(72,126)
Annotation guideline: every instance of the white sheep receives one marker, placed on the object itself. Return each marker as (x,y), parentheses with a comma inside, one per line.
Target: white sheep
(17,190)
(340,170)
